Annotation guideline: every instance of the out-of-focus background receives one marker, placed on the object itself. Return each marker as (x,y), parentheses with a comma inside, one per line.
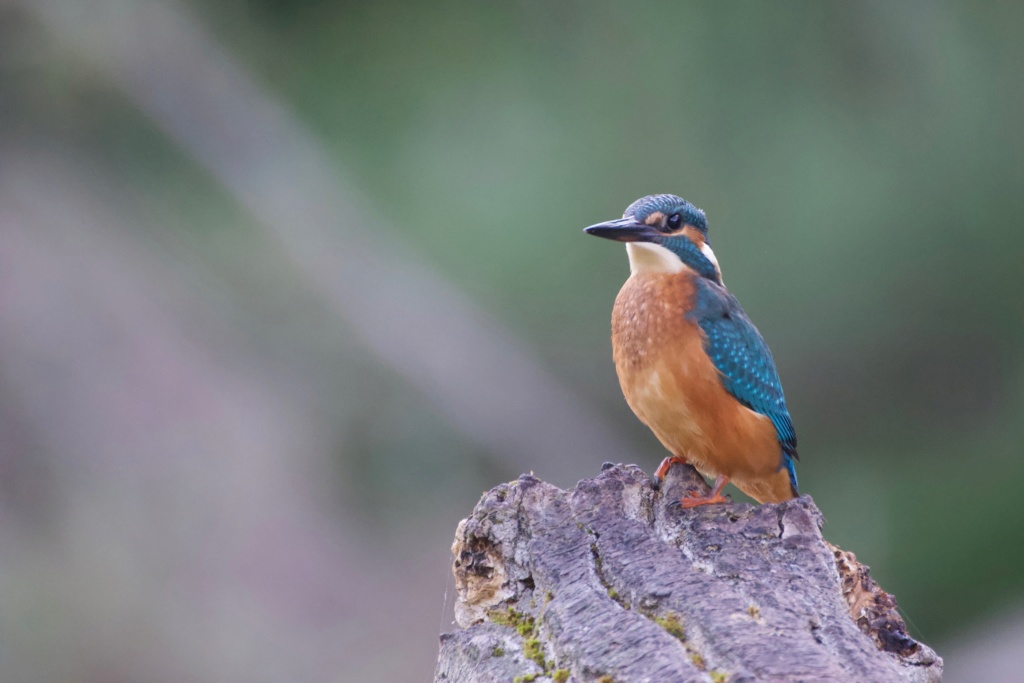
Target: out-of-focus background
(285,284)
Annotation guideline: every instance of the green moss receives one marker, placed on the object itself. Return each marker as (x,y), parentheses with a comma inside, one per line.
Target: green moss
(754,612)
(698,661)
(562,675)
(548,597)
(719,677)
(606,679)
(498,651)
(524,624)
(671,623)
(614,595)
(504,618)
(525,678)
(533,651)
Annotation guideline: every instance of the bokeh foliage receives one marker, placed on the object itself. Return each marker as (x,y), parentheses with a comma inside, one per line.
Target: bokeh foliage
(861,168)
(860,165)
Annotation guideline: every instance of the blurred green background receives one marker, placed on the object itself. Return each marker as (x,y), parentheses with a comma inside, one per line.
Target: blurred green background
(285,284)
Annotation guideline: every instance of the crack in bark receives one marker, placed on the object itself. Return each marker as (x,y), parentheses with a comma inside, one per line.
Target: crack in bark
(598,565)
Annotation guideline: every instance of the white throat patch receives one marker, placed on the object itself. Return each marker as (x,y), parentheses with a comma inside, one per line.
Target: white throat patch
(646,257)
(710,256)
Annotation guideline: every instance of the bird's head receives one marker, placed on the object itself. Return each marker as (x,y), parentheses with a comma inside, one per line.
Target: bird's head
(663,234)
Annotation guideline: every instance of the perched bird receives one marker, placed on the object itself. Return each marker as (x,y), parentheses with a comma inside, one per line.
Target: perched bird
(691,364)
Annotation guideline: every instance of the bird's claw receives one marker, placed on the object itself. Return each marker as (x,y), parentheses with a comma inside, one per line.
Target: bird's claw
(659,474)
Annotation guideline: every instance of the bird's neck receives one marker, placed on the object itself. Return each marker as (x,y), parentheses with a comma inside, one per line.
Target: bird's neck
(673,255)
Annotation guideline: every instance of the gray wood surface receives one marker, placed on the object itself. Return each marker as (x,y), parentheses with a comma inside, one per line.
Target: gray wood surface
(610,582)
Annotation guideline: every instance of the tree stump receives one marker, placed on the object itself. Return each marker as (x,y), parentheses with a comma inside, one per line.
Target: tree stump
(611,582)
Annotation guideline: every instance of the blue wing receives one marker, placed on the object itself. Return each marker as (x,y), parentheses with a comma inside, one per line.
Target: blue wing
(744,361)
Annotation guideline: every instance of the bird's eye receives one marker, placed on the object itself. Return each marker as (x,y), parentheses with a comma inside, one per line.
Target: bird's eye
(674,221)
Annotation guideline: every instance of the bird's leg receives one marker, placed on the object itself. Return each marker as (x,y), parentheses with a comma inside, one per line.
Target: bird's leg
(659,474)
(714,497)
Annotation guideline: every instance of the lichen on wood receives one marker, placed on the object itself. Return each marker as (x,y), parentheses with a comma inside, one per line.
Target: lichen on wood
(611,581)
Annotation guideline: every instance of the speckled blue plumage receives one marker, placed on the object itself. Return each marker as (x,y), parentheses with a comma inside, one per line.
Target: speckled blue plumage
(741,356)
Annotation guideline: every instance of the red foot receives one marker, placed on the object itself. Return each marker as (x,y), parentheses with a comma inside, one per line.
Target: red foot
(710,499)
(659,474)
(714,497)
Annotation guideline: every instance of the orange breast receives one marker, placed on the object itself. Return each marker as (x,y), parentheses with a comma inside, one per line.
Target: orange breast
(674,388)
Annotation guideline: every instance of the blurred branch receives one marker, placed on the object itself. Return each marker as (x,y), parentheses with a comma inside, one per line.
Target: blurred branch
(487,383)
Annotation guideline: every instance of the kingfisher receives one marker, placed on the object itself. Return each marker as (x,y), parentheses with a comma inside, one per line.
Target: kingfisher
(691,364)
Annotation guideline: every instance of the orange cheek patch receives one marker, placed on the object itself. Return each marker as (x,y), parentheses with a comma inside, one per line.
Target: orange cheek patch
(693,234)
(656,219)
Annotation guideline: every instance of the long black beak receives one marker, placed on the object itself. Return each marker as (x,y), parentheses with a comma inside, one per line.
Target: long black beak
(624,230)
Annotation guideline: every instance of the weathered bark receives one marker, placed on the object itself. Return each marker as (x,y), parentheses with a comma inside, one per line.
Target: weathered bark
(612,582)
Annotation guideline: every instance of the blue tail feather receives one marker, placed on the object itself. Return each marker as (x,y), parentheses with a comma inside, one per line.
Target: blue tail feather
(790,466)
